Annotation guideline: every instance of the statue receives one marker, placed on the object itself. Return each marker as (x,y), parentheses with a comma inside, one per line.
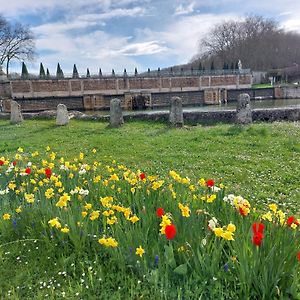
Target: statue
(240,65)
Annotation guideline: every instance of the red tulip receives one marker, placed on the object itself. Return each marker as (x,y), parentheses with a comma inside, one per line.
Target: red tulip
(210,183)
(291,220)
(1,162)
(298,256)
(142,176)
(48,172)
(257,238)
(258,229)
(160,212)
(170,231)
(28,171)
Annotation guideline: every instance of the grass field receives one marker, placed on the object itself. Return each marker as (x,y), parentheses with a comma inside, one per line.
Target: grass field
(259,162)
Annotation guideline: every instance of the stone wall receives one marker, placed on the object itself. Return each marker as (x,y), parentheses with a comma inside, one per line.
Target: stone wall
(5,89)
(266,93)
(113,86)
(50,103)
(291,92)
(195,98)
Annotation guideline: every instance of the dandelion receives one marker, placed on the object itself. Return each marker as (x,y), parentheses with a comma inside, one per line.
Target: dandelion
(6,216)
(140,251)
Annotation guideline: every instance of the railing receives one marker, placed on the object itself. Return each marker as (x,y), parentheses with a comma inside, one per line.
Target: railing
(158,73)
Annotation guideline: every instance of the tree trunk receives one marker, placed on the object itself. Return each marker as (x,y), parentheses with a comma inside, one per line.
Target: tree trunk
(7,66)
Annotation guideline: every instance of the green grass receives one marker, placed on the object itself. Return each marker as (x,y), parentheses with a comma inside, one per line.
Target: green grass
(259,162)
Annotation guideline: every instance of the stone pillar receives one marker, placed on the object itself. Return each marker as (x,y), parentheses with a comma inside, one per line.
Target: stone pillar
(176,114)
(62,116)
(15,113)
(116,116)
(243,110)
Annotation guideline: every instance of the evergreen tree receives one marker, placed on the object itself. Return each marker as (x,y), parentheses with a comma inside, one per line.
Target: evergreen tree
(113,73)
(135,72)
(24,74)
(237,65)
(200,68)
(48,74)
(75,72)
(125,73)
(224,66)
(100,73)
(212,66)
(59,72)
(148,70)
(88,75)
(232,66)
(42,72)
(158,71)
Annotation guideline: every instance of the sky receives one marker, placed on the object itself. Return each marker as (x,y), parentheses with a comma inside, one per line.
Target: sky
(142,34)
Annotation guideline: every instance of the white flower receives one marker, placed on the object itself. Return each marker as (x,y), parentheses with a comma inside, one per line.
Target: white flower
(82,171)
(83,192)
(215,189)
(212,223)
(4,192)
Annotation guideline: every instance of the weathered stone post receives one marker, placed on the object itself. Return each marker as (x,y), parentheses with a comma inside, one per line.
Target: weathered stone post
(116,116)
(15,113)
(243,110)
(62,116)
(176,114)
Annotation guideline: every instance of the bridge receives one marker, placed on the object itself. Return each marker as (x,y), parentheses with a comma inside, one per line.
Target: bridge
(139,91)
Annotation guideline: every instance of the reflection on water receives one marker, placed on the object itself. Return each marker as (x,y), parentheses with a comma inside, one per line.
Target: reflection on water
(269,103)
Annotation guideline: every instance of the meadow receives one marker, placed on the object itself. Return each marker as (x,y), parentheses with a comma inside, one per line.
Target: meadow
(146,211)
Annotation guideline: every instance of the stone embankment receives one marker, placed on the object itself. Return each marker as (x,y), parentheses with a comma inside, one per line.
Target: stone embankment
(190,117)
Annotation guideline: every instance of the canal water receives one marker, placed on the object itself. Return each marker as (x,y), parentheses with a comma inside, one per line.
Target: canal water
(268,103)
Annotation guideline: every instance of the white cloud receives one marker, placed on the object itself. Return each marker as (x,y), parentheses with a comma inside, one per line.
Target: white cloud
(145,48)
(182,35)
(114,13)
(184,10)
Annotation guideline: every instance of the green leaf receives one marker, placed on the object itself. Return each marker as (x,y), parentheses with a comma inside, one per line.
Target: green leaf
(169,254)
(181,269)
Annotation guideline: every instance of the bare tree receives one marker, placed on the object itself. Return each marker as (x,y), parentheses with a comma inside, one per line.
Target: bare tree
(257,41)
(16,43)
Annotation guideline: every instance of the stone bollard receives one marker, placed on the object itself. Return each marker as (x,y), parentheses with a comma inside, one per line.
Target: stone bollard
(62,116)
(176,114)
(15,113)
(243,110)
(116,116)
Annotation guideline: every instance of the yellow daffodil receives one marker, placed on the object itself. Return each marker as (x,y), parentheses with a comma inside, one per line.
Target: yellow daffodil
(140,251)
